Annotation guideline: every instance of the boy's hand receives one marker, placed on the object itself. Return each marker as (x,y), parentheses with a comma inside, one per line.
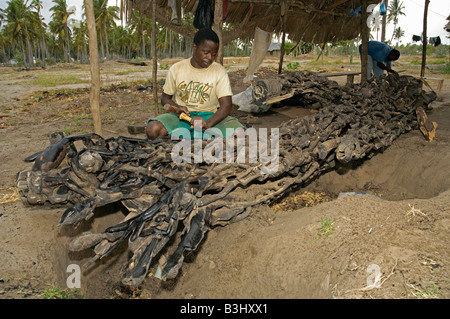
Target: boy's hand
(176,109)
(198,118)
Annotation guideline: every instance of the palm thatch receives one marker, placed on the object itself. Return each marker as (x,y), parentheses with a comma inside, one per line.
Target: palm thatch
(314,21)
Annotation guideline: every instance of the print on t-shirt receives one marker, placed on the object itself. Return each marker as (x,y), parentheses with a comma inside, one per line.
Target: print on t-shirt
(194,93)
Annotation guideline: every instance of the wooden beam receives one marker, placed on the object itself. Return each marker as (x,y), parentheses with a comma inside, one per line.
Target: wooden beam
(94,95)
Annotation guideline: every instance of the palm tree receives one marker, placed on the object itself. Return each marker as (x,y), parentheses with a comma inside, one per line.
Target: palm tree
(140,27)
(22,24)
(59,24)
(395,11)
(122,41)
(80,42)
(104,19)
(41,30)
(398,34)
(5,44)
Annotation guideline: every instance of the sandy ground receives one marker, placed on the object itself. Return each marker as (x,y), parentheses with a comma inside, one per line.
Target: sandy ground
(394,245)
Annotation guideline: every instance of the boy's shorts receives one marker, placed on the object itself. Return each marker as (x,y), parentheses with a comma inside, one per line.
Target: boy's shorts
(175,126)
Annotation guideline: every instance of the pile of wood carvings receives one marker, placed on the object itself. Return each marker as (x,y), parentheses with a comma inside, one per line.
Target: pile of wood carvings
(183,200)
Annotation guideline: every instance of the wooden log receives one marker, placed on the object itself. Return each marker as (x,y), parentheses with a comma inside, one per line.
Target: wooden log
(133,63)
(426,126)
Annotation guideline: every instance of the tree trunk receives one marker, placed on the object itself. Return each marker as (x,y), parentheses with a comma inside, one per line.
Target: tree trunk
(165,44)
(218,22)
(66,44)
(101,43)
(106,41)
(94,96)
(155,61)
(143,42)
(30,53)
(24,57)
(424,39)
(85,52)
(43,52)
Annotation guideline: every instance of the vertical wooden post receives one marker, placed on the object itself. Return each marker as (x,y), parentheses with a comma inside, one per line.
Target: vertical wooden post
(280,66)
(424,39)
(364,40)
(155,60)
(218,22)
(94,96)
(383,22)
(283,9)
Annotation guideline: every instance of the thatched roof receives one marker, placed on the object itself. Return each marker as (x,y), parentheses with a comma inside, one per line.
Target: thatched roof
(315,21)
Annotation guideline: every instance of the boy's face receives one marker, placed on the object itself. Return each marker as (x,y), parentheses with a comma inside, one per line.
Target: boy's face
(204,54)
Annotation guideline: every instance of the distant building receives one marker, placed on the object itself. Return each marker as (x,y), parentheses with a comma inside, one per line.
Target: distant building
(274,50)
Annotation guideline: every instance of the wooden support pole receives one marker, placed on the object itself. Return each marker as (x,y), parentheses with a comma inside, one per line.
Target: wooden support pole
(424,39)
(280,66)
(155,60)
(364,40)
(383,22)
(283,8)
(94,96)
(218,22)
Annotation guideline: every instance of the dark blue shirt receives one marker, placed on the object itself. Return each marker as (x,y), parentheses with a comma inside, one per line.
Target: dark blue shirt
(378,51)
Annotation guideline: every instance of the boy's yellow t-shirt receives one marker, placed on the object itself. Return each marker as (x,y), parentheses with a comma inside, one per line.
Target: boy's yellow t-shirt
(197,89)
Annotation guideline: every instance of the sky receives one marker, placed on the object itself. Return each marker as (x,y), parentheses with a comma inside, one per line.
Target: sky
(411,23)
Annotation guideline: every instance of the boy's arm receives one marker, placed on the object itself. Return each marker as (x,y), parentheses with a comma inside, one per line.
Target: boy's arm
(178,109)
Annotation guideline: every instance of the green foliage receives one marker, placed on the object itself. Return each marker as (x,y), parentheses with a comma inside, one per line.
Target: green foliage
(326,228)
(431,292)
(292,66)
(444,70)
(59,293)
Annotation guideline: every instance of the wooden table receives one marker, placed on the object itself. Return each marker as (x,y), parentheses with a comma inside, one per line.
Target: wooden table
(350,76)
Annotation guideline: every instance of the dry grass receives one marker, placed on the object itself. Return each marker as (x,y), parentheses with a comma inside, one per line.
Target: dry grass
(306,199)
(9,195)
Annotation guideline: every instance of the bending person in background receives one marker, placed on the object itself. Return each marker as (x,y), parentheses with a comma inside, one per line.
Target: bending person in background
(379,58)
